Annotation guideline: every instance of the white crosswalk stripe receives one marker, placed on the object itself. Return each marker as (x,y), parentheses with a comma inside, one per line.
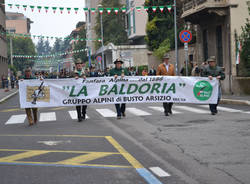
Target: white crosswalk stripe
(73,115)
(192,109)
(16,119)
(48,116)
(226,109)
(106,113)
(161,109)
(137,112)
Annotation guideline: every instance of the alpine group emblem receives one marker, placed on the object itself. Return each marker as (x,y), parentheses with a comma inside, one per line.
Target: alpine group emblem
(38,93)
(203,90)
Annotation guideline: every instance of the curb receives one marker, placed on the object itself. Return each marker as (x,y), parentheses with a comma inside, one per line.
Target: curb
(9,96)
(235,102)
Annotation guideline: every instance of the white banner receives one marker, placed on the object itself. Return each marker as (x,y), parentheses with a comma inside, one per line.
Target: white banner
(108,90)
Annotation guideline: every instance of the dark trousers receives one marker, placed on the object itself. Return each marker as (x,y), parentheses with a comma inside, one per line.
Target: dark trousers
(213,107)
(167,107)
(120,108)
(81,111)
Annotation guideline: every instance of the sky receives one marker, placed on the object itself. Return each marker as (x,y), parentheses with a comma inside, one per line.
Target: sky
(50,24)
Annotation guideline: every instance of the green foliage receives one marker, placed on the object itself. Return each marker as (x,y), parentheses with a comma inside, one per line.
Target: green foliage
(81,45)
(13,69)
(162,49)
(22,46)
(160,26)
(244,66)
(113,25)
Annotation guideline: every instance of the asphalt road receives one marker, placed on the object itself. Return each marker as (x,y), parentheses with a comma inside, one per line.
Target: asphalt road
(189,147)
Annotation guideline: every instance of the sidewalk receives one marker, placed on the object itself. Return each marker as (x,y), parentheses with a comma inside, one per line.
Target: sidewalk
(6,95)
(236,100)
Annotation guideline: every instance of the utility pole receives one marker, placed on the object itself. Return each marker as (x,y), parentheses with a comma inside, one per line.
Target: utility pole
(11,52)
(102,37)
(176,43)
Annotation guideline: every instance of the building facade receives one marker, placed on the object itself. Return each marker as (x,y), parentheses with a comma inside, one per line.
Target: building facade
(17,23)
(136,22)
(3,44)
(216,23)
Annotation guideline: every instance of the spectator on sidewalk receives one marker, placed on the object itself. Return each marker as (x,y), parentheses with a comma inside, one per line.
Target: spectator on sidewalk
(3,81)
(152,71)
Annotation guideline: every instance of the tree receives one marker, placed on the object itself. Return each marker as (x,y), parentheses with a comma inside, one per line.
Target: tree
(81,44)
(40,47)
(114,30)
(57,46)
(160,27)
(22,46)
(244,66)
(47,47)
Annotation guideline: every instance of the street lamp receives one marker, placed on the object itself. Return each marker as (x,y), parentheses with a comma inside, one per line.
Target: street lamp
(100,6)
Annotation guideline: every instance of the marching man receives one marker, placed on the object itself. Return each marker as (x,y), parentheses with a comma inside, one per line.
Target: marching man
(79,73)
(166,69)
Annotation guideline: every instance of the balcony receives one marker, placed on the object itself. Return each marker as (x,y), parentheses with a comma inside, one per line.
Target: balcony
(194,6)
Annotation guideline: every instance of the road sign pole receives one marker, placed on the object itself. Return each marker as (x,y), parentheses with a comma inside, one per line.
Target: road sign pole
(186,57)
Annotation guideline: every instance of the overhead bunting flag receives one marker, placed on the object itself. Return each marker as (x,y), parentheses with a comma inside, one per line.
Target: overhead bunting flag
(124,10)
(25,7)
(39,9)
(138,9)
(101,10)
(76,10)
(46,9)
(54,9)
(154,8)
(48,56)
(92,10)
(61,9)
(109,10)
(116,10)
(68,9)
(161,8)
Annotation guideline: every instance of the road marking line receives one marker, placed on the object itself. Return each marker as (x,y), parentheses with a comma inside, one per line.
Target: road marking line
(60,151)
(192,109)
(83,158)
(61,165)
(106,112)
(159,172)
(75,161)
(226,109)
(21,156)
(16,119)
(136,164)
(248,112)
(25,135)
(10,110)
(48,116)
(73,115)
(138,112)
(161,109)
(150,178)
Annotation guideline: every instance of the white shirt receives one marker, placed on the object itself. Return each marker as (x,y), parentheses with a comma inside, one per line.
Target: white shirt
(167,66)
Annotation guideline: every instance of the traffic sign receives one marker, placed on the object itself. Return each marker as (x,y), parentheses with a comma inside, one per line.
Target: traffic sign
(99,59)
(185,36)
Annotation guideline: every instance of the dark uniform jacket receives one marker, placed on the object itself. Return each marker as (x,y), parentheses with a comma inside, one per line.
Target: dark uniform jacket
(118,72)
(213,71)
